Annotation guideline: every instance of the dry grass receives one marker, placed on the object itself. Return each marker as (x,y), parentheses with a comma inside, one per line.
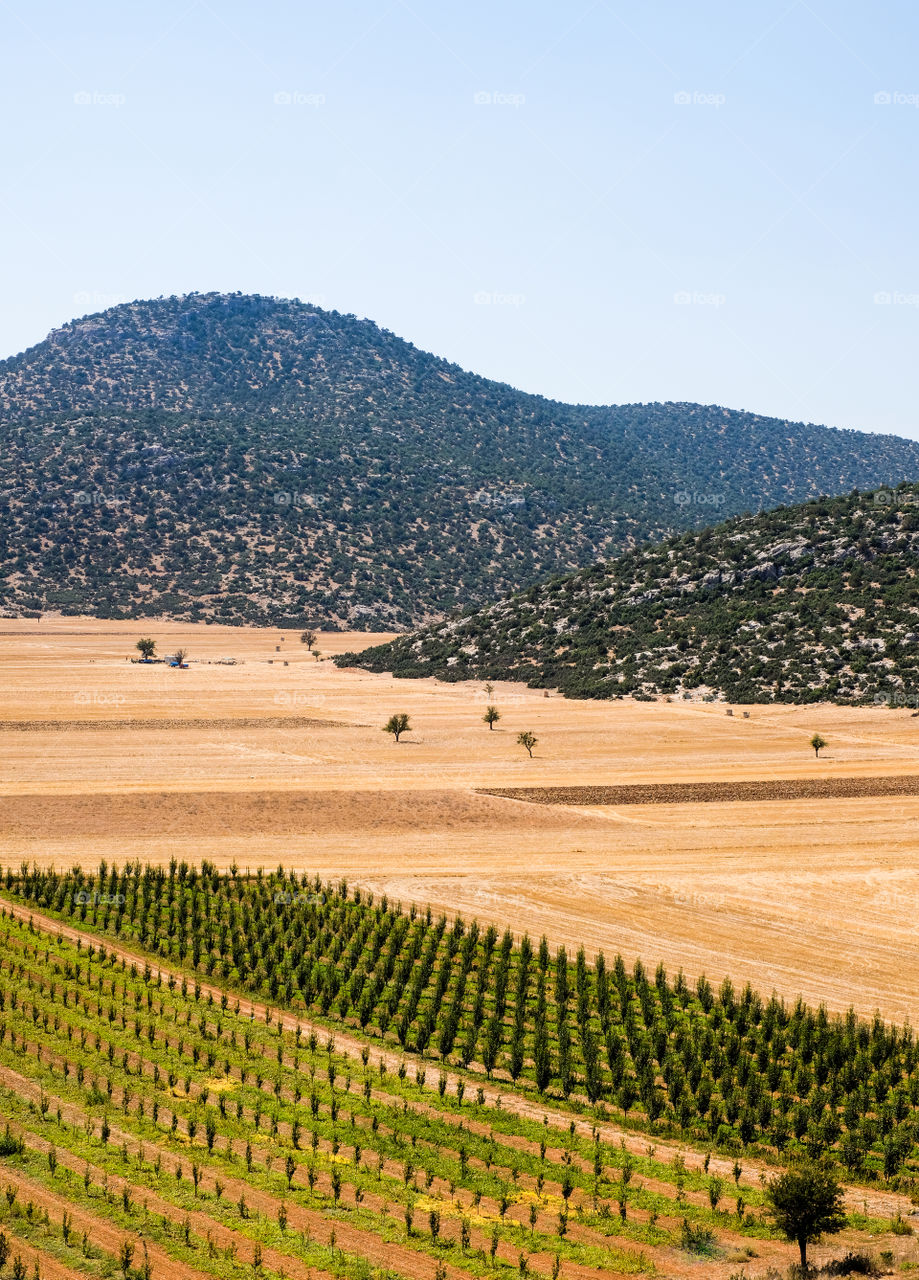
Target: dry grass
(815,895)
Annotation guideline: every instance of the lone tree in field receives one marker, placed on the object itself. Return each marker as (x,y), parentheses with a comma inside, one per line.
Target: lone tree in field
(817,743)
(180,655)
(308,638)
(528,740)
(492,716)
(397,725)
(147,647)
(805,1203)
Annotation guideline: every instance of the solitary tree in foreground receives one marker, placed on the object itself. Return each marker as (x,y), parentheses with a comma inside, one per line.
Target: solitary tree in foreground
(397,725)
(805,1203)
(492,716)
(817,742)
(147,647)
(528,740)
(308,638)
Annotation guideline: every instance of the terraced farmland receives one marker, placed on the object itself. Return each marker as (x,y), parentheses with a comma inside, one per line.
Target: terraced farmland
(155,1109)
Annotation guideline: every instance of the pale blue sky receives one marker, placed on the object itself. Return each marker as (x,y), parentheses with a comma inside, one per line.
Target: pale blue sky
(585,231)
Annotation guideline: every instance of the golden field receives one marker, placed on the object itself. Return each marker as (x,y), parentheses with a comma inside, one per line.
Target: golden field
(817,897)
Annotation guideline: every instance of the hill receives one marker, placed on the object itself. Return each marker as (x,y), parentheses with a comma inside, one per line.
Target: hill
(802,604)
(248,459)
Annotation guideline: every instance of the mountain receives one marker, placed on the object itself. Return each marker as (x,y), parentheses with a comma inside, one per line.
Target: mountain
(802,604)
(248,459)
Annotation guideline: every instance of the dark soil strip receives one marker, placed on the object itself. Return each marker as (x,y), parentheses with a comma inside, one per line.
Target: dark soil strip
(234,722)
(715,792)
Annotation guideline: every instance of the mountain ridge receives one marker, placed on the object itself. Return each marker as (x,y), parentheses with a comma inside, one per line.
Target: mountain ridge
(808,603)
(258,460)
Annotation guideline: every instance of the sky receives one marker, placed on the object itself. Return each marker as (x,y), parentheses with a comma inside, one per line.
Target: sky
(599,201)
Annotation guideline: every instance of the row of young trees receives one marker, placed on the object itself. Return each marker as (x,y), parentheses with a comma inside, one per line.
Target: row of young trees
(719,1066)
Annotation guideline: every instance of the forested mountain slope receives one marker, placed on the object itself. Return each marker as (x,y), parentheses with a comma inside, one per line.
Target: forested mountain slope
(806,603)
(252,459)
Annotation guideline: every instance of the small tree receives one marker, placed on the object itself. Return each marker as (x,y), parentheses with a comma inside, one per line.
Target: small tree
(179,656)
(147,648)
(817,743)
(308,638)
(397,725)
(492,716)
(805,1203)
(528,740)
(126,1257)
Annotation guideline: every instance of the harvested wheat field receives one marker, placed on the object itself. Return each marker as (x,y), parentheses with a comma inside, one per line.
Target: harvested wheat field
(793,873)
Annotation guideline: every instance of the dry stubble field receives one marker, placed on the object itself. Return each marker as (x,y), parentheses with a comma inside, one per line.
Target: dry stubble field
(264,763)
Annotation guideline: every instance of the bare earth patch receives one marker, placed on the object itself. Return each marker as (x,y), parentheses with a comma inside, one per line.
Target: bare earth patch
(670,830)
(715,792)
